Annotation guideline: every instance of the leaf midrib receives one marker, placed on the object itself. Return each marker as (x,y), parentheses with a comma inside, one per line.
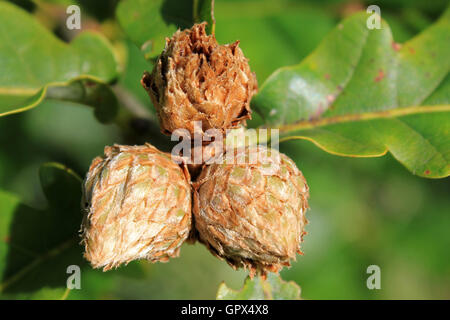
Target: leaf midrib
(391,113)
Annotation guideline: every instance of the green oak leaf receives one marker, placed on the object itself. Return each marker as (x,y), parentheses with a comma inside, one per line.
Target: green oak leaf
(37,246)
(148,22)
(273,288)
(360,94)
(32,59)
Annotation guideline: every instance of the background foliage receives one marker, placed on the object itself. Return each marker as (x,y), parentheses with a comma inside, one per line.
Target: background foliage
(364,210)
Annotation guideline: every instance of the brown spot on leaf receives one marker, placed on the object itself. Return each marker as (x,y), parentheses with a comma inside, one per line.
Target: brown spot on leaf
(427,171)
(411,50)
(327,76)
(380,76)
(396,46)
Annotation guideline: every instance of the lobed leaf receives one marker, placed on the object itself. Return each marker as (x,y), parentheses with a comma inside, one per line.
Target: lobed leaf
(361,94)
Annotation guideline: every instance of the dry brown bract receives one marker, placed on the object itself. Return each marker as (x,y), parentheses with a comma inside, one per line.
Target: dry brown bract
(196,79)
(138,206)
(252,215)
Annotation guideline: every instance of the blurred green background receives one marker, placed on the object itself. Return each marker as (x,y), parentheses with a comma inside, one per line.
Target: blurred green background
(363,211)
